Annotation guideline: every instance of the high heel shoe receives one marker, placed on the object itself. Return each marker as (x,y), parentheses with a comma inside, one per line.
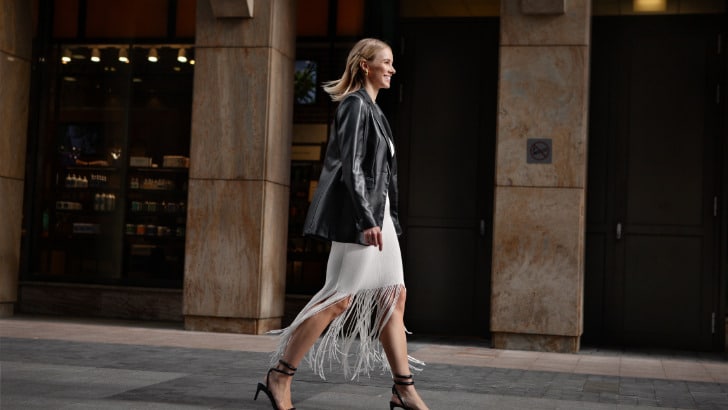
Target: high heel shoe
(402,404)
(266,390)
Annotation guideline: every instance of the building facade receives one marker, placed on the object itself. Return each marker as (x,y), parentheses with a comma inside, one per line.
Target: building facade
(562,164)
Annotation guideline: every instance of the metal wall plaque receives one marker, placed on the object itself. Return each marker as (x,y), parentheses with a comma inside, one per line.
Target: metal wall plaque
(539,151)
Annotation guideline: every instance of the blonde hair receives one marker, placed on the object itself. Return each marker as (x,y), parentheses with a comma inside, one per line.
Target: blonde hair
(354,78)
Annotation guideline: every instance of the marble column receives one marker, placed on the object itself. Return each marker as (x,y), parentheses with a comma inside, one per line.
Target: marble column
(15,56)
(539,218)
(237,218)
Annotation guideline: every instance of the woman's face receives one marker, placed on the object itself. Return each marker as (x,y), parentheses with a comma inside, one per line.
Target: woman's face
(381,69)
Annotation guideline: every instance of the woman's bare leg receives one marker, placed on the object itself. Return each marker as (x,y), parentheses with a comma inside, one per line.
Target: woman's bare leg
(394,341)
(302,339)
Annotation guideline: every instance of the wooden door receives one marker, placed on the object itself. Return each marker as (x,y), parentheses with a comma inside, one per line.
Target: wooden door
(446,126)
(652,276)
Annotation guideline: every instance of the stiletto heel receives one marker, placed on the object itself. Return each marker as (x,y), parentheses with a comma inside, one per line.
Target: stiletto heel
(264,387)
(402,404)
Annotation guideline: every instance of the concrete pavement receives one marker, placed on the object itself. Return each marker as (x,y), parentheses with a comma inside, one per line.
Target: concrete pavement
(64,363)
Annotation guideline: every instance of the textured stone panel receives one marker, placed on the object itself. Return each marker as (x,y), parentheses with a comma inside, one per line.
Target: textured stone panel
(15,29)
(231,325)
(538,343)
(274,252)
(542,94)
(230,113)
(7,309)
(543,7)
(232,8)
(11,209)
(571,28)
(223,251)
(14,94)
(221,32)
(280,120)
(102,301)
(538,258)
(272,26)
(283,22)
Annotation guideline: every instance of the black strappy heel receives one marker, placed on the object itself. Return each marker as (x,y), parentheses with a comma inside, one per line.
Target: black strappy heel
(266,390)
(402,404)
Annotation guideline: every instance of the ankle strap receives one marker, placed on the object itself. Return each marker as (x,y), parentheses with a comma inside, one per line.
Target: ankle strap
(284,364)
(403,383)
(287,365)
(273,369)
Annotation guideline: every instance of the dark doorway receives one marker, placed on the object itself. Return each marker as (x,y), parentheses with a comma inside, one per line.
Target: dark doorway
(446,131)
(652,271)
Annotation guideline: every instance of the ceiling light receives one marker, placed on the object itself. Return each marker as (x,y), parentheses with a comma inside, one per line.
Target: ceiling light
(153,56)
(66,58)
(649,5)
(182,55)
(123,55)
(95,55)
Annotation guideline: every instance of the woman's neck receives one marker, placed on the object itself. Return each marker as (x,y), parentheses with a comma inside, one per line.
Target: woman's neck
(372,91)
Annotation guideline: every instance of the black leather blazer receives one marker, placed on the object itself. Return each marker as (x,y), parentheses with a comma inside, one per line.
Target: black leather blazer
(358,173)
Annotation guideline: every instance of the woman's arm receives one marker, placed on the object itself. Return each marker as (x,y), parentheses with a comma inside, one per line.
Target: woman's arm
(351,132)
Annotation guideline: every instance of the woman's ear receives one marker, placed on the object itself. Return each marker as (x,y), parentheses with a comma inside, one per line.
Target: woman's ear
(364,67)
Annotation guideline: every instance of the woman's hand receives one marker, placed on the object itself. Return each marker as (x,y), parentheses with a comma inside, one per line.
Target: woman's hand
(373,236)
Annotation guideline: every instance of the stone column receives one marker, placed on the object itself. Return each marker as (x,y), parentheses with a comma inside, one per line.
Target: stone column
(15,56)
(237,218)
(539,218)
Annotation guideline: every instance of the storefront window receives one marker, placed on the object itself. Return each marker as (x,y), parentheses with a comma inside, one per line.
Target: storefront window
(110,184)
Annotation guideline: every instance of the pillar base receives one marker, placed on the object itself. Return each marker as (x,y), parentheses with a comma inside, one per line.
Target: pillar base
(7,309)
(538,343)
(84,300)
(231,325)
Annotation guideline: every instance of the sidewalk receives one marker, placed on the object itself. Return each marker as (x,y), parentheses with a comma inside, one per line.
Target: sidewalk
(61,363)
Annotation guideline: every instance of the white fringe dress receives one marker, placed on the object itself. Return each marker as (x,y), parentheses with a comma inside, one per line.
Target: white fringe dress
(373,280)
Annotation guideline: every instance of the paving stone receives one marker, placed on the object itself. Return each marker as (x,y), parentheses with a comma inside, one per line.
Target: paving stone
(57,374)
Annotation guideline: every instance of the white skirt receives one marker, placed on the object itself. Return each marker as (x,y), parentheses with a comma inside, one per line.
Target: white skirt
(373,280)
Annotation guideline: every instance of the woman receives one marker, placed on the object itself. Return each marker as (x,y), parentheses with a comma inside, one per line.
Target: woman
(361,305)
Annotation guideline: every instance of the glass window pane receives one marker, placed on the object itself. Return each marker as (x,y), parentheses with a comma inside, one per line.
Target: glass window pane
(113,174)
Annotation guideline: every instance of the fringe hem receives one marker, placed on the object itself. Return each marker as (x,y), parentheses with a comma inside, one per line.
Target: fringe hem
(351,341)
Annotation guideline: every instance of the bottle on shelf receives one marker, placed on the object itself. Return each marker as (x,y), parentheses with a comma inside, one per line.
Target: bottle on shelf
(104,202)
(75,181)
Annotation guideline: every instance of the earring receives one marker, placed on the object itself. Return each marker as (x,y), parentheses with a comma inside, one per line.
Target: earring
(366,72)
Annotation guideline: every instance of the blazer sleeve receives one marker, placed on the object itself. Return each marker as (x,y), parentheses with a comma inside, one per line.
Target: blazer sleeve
(352,123)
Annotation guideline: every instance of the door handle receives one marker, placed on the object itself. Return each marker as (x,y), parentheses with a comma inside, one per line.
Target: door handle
(619,230)
(482,227)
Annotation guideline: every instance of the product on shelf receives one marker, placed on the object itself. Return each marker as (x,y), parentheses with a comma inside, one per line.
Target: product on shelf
(104,202)
(68,205)
(175,161)
(75,181)
(155,184)
(87,228)
(140,161)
